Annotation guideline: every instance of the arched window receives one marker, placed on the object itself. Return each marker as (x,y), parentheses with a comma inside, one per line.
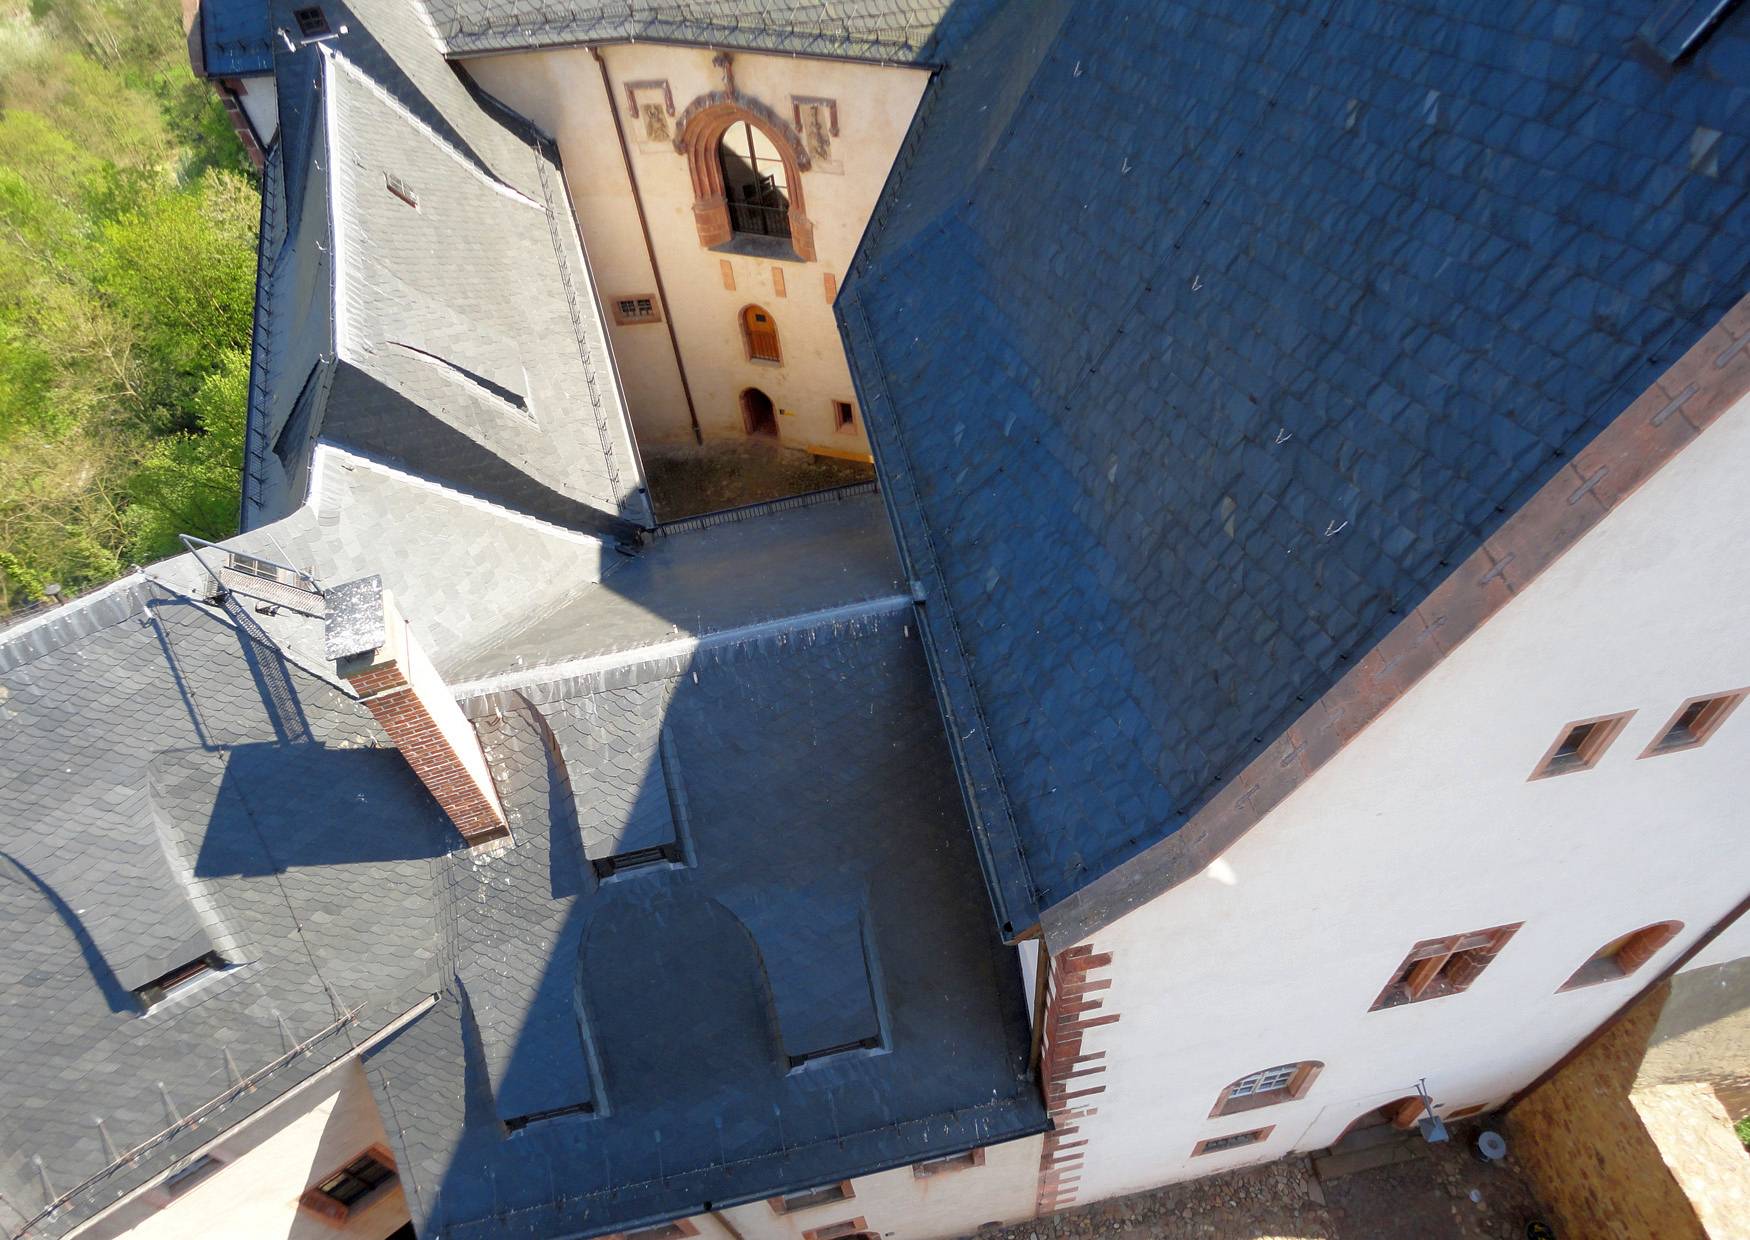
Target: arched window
(746,165)
(759,335)
(1266,1087)
(755,182)
(1623,956)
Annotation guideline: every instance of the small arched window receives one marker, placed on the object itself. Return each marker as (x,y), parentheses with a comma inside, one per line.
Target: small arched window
(1623,956)
(759,333)
(1267,1086)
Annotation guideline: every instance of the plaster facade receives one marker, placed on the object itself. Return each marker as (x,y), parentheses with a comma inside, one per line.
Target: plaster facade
(1426,825)
(707,289)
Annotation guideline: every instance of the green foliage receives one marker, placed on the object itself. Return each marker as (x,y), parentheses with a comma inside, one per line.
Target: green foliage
(127,268)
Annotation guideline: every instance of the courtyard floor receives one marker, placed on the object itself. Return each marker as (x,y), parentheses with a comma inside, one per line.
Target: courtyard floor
(1439,1192)
(687,481)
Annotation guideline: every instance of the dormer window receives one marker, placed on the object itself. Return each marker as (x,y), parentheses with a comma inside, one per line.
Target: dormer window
(312,22)
(637,859)
(158,989)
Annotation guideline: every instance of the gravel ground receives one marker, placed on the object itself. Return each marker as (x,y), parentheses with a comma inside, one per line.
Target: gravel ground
(1430,1198)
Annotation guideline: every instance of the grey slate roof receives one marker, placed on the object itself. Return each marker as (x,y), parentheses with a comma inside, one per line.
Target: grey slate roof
(459,338)
(905,31)
(176,787)
(1240,326)
(830,906)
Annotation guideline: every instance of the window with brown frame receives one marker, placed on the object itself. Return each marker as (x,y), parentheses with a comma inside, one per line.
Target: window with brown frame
(825,1195)
(338,1196)
(636,308)
(839,1231)
(1233,1141)
(1695,721)
(953,1162)
(401,189)
(844,418)
(1623,956)
(1580,745)
(1267,1086)
(1448,966)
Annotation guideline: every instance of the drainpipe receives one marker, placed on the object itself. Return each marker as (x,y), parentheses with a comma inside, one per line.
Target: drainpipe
(649,249)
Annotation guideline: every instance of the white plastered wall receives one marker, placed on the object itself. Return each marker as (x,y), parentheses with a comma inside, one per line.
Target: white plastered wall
(269,1162)
(1426,825)
(901,1206)
(561,92)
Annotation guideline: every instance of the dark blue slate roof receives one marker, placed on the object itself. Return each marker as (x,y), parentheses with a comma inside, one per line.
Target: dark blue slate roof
(236,37)
(823,899)
(1198,341)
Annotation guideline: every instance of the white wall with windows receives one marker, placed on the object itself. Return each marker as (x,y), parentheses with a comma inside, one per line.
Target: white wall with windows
(1426,826)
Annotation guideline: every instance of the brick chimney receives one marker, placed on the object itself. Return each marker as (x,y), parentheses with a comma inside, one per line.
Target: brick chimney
(368,639)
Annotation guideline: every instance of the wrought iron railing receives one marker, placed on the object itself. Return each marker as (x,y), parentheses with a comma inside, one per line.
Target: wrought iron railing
(759,220)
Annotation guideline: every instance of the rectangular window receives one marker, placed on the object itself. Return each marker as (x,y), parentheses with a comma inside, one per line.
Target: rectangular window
(809,1198)
(179,1182)
(953,1162)
(336,1196)
(401,189)
(1580,745)
(159,988)
(836,1231)
(636,308)
(1236,1141)
(312,22)
(844,419)
(1448,966)
(1695,721)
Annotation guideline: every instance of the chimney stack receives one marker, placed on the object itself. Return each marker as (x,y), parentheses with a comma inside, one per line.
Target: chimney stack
(368,639)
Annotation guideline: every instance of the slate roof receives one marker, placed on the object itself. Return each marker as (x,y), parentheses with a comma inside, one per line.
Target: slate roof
(175,786)
(905,31)
(423,296)
(1241,326)
(236,38)
(836,894)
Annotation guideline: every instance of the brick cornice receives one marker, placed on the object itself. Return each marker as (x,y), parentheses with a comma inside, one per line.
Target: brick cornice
(1067,1069)
(1706,381)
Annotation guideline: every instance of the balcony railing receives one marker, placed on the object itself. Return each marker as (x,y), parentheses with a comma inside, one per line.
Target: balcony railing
(759,221)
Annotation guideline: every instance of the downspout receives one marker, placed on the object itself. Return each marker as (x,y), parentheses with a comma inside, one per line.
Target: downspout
(649,248)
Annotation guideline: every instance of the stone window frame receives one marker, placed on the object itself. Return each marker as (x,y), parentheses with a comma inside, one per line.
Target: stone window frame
(617,301)
(1228,1142)
(335,1213)
(1435,968)
(1694,723)
(1300,1079)
(697,134)
(1623,956)
(810,1198)
(1580,745)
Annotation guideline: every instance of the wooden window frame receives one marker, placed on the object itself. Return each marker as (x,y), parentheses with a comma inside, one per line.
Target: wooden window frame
(1427,970)
(1623,956)
(1718,709)
(1258,1137)
(1305,1073)
(1606,728)
(948,1164)
(849,425)
(836,1231)
(334,1213)
(787,1203)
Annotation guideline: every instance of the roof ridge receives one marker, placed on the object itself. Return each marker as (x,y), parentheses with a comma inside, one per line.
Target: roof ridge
(48,631)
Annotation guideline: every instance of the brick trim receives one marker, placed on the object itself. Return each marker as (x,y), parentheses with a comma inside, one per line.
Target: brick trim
(1074,1005)
(1687,399)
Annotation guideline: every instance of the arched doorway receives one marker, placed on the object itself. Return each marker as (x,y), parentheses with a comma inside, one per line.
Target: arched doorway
(1398,1115)
(758,417)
